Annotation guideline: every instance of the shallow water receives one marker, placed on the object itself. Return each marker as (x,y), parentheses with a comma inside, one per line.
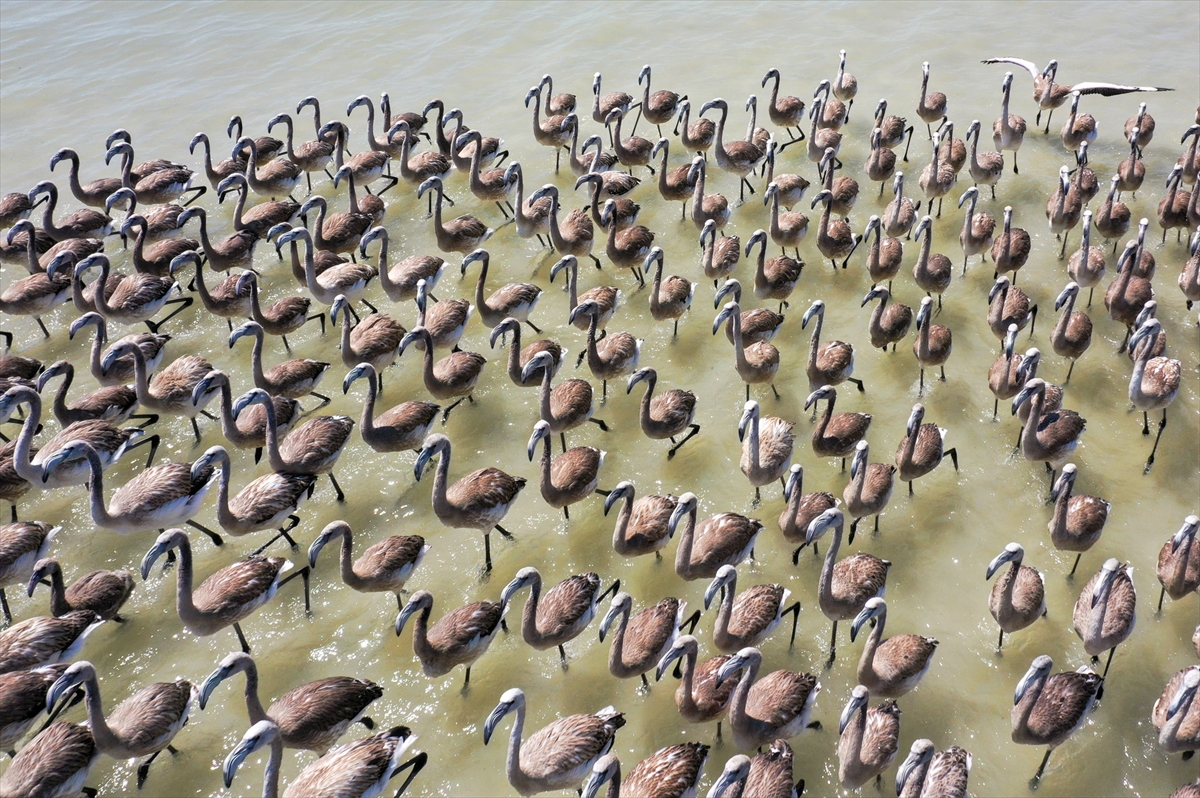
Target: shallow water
(71,73)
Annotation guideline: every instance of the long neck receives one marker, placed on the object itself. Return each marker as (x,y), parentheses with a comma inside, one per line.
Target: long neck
(866,662)
(923,339)
(437,214)
(1139,364)
(725,609)
(514,356)
(662,174)
(100,515)
(213,177)
(347,351)
(910,445)
(720,142)
(825,584)
(966,228)
(775,92)
(1025,708)
(996,308)
(647,398)
(310,267)
(775,217)
(440,504)
(593,356)
(922,267)
(228,423)
(529,629)
(1097,612)
(537,110)
(656,287)
(823,228)
(618,644)
(318,234)
(201,288)
(1060,327)
(227,519)
(99,297)
(974,146)
(368,411)
(877,313)
(372,142)
(684,696)
(271,771)
(385,277)
(753,443)
(683,554)
(58,598)
(480,299)
(924,87)
(547,482)
(255,304)
(254,707)
(272,436)
(698,195)
(1029,433)
(21,457)
(814,342)
(859,482)
(183,587)
(544,397)
(737,702)
(512,764)
(1010,583)
(430,378)
(105,739)
(854,733)
(347,563)
(555,232)
(622,525)
(205,244)
(240,206)
(739,350)
(897,203)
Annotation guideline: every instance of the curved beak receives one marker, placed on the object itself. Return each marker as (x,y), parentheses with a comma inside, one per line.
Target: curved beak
(423,458)
(410,609)
(854,705)
(210,684)
(999,560)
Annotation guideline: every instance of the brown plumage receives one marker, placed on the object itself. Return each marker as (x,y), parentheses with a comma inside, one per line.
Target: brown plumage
(883,263)
(766,449)
(640,641)
(40,641)
(698,697)
(311,156)
(249,429)
(922,448)
(229,298)
(768,775)
(102,592)
(737,157)
(1178,566)
(835,435)
(894,666)
(227,596)
(384,567)
(924,772)
(869,489)
(285,315)
(671,772)
(558,755)
(376,339)
(802,508)
(460,637)
(1048,436)
(512,299)
(235,251)
(400,281)
(23,700)
(12,486)
(417,168)
(569,478)
(519,358)
(223,168)
(1008,304)
(53,765)
(294,378)
(310,716)
(461,234)
(1018,597)
(13,208)
(22,545)
(844,587)
(1072,333)
(696,137)
(721,539)
(747,618)
(263,216)
(665,415)
(1179,733)
(93,193)
(82,223)
(1104,613)
(560,615)
(453,376)
(1048,708)
(641,526)
(615,355)
(774,278)
(398,429)
(1078,521)
(575,234)
(777,705)
(889,323)
(757,324)
(478,501)
(605,297)
(869,737)
(754,362)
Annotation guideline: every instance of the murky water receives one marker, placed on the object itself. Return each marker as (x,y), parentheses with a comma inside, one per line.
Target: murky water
(71,73)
